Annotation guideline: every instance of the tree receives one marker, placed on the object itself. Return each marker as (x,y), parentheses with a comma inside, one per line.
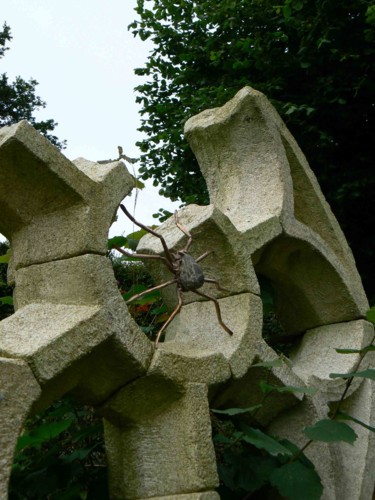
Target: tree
(313,59)
(18,99)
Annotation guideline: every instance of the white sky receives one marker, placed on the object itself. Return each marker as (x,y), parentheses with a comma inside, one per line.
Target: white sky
(83,57)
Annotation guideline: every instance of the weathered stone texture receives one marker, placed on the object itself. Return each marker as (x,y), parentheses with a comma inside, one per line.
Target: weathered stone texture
(18,391)
(72,331)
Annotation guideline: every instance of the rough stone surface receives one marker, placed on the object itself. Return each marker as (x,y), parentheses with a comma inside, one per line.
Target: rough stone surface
(245,152)
(229,263)
(18,391)
(197,326)
(316,357)
(168,451)
(72,331)
(48,193)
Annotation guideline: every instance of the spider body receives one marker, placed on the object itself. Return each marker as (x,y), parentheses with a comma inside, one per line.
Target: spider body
(188,274)
(191,276)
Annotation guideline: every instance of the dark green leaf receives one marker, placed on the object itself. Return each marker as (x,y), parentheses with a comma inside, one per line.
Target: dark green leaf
(356,351)
(344,416)
(4,259)
(246,472)
(266,388)
(295,481)
(118,241)
(369,373)
(261,440)
(330,431)
(370,315)
(43,433)
(275,363)
(6,300)
(237,411)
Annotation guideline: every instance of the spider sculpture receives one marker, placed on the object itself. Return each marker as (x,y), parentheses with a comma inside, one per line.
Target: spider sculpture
(188,275)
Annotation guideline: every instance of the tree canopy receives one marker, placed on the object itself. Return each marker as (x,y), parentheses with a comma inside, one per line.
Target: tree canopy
(314,59)
(18,99)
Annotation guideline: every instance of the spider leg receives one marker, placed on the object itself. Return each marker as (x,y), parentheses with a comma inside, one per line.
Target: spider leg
(168,255)
(185,231)
(174,313)
(206,254)
(144,256)
(217,307)
(217,284)
(145,292)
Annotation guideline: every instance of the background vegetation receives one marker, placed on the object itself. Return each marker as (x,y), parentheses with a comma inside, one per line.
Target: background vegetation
(315,61)
(18,99)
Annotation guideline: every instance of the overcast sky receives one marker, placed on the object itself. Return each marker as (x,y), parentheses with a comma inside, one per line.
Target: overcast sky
(83,57)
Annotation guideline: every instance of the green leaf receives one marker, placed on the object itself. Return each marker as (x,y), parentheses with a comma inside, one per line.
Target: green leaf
(287,11)
(370,315)
(261,440)
(4,259)
(6,300)
(139,184)
(356,351)
(275,363)
(237,411)
(118,241)
(246,472)
(330,431)
(296,481)
(43,433)
(344,416)
(133,238)
(266,388)
(369,373)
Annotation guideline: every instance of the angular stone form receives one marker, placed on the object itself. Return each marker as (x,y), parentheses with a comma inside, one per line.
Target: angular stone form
(72,330)
(229,262)
(258,177)
(58,209)
(161,441)
(18,392)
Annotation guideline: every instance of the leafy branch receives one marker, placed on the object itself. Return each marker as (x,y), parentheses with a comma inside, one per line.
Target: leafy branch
(243,449)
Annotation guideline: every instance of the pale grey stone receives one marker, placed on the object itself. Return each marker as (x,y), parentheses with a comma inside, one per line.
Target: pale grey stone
(316,357)
(58,209)
(167,452)
(197,328)
(229,263)
(18,392)
(72,330)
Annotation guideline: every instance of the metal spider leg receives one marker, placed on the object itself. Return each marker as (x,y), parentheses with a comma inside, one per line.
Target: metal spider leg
(185,231)
(168,255)
(203,256)
(143,256)
(217,307)
(153,289)
(217,284)
(169,320)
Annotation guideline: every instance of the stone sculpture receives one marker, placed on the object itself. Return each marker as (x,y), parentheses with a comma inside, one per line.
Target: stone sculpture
(267,216)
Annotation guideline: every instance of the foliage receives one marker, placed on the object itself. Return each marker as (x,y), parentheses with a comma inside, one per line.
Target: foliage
(132,277)
(18,100)
(61,456)
(299,54)
(6,291)
(252,462)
